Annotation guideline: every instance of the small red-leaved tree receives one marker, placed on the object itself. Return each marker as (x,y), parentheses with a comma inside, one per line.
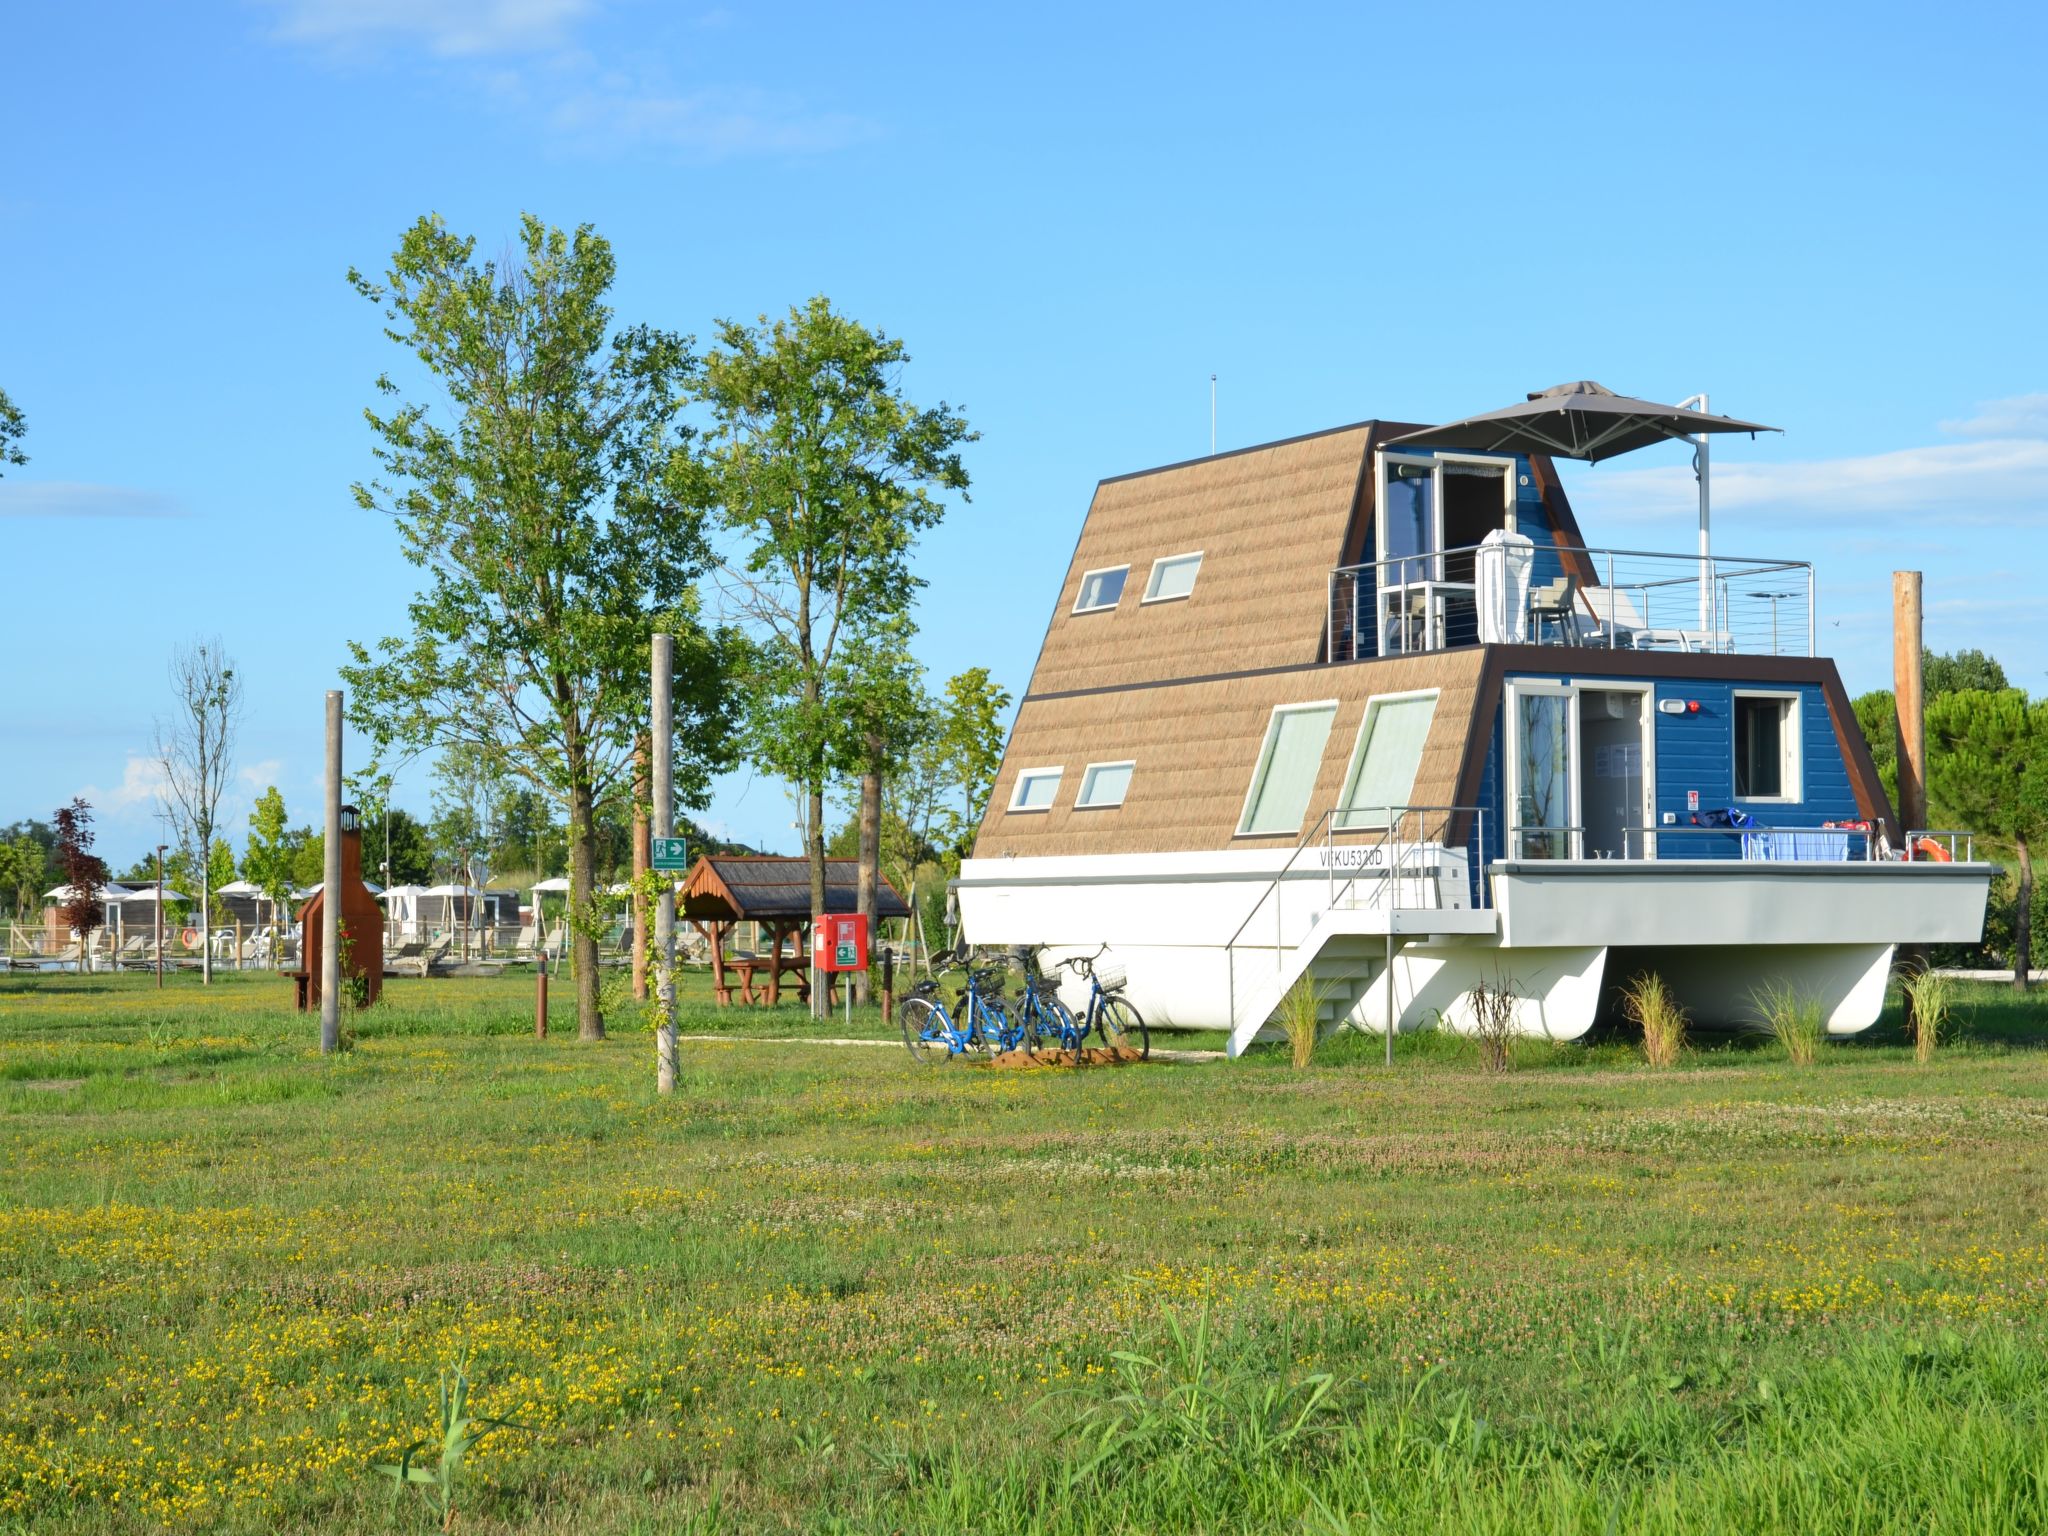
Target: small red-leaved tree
(85,872)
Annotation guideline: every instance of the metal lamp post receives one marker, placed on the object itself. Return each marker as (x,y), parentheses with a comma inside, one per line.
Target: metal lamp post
(1773,598)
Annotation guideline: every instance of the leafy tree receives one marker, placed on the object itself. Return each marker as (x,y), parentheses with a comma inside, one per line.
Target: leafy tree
(196,750)
(1987,769)
(13,426)
(822,473)
(85,872)
(1940,673)
(1960,672)
(308,855)
(267,853)
(538,513)
(220,865)
(23,867)
(887,713)
(971,733)
(395,837)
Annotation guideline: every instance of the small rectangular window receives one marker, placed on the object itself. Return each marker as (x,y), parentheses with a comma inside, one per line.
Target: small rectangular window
(1766,747)
(1173,576)
(1384,763)
(1103,785)
(1035,789)
(1101,589)
(1289,761)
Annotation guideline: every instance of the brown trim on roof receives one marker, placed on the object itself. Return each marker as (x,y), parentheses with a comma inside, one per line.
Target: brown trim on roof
(1870,795)
(1231,453)
(1486,696)
(1563,520)
(1592,661)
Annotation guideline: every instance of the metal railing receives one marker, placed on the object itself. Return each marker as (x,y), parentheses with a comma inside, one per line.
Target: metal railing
(1840,845)
(1615,599)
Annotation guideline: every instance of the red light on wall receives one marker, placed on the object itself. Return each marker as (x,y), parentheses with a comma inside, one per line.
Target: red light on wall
(1692,706)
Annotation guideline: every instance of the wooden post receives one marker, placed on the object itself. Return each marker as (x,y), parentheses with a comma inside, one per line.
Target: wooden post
(330,890)
(641,792)
(1908,702)
(540,996)
(888,985)
(662,752)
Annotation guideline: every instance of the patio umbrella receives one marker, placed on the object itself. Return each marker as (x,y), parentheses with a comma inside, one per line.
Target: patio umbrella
(1584,420)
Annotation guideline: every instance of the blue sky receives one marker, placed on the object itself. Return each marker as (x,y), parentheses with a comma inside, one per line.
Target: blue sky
(1832,220)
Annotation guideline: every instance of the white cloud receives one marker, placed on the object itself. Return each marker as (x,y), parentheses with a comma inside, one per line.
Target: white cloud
(2014,416)
(450,28)
(260,776)
(74,499)
(1999,481)
(142,783)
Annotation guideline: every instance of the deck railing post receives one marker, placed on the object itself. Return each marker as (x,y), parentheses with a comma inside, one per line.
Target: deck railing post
(1812,613)
(1611,626)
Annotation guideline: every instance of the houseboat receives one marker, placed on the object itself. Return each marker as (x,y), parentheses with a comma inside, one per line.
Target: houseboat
(1366,709)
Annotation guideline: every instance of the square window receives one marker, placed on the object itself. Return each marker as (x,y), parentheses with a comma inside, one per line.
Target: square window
(1101,589)
(1288,764)
(1766,747)
(1173,576)
(1035,789)
(1104,785)
(1384,763)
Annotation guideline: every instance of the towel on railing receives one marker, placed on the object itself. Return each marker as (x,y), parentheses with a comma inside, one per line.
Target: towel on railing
(1793,844)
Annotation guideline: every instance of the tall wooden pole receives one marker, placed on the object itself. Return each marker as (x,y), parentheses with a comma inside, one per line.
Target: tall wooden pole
(330,889)
(1908,701)
(641,793)
(661,770)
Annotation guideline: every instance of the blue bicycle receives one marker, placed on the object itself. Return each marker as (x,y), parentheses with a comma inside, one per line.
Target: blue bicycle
(976,1022)
(1044,1016)
(1109,1016)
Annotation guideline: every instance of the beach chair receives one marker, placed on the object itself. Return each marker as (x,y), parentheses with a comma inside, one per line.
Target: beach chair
(396,960)
(131,955)
(435,954)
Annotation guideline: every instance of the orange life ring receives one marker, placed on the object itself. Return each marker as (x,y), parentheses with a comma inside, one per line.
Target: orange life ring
(189,938)
(1928,848)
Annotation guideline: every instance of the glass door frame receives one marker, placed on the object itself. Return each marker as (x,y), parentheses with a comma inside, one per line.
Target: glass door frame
(1430,561)
(1570,690)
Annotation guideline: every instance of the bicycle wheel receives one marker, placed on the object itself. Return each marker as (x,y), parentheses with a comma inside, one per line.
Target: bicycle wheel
(926,1030)
(1123,1025)
(1060,1023)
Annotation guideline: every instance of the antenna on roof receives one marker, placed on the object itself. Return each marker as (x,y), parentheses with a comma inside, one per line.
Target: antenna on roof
(1212,415)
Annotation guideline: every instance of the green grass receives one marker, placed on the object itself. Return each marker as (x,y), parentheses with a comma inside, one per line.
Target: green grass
(827,1289)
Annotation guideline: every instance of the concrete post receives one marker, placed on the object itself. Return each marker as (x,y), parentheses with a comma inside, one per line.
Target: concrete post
(330,889)
(661,773)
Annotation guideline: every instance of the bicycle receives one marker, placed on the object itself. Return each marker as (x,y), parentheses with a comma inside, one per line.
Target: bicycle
(1109,1014)
(977,1021)
(1041,1011)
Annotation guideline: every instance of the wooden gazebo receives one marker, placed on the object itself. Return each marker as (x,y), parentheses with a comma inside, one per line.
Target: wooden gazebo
(723,890)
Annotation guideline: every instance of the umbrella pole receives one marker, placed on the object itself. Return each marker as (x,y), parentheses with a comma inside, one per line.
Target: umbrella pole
(1699,469)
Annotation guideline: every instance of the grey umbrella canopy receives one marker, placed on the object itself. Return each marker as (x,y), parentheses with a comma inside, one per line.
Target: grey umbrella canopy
(1582,420)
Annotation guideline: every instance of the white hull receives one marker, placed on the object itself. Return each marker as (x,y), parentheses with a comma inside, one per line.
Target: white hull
(1199,933)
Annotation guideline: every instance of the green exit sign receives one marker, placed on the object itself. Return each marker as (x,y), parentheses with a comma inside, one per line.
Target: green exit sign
(671,853)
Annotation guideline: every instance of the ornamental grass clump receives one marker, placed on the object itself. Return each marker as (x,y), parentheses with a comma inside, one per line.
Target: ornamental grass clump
(1301,1016)
(1493,1023)
(1930,1007)
(1649,1005)
(1794,1019)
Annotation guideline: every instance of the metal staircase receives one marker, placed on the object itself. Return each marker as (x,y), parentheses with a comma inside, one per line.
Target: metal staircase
(1338,912)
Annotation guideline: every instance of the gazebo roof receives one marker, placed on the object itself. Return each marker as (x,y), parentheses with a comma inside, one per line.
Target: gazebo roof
(726,887)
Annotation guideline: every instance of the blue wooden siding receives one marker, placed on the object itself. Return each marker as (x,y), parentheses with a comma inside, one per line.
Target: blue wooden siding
(1696,750)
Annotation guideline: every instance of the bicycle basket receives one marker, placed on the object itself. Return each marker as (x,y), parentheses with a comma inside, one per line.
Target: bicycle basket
(1110,978)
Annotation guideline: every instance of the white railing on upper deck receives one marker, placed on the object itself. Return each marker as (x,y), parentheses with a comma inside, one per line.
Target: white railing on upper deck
(1619,599)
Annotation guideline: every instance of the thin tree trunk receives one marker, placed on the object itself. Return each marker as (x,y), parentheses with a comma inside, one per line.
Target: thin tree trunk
(868,892)
(206,928)
(815,810)
(582,899)
(2023,920)
(640,860)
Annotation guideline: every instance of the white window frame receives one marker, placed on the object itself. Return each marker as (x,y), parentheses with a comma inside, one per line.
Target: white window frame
(1024,776)
(1347,817)
(1570,689)
(1509,477)
(1266,745)
(1102,570)
(1173,597)
(1791,746)
(1081,800)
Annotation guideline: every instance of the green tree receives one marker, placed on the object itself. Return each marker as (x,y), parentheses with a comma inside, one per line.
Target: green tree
(538,513)
(22,869)
(1987,769)
(196,751)
(1940,673)
(220,865)
(971,732)
(267,852)
(822,473)
(1960,672)
(13,427)
(886,712)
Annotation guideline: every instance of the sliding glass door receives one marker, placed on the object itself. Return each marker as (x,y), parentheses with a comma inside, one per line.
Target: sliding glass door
(1540,744)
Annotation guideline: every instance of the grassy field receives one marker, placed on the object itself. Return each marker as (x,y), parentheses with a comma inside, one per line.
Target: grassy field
(825,1289)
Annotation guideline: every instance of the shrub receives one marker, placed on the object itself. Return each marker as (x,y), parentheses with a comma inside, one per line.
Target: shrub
(1794,1019)
(1493,1023)
(1930,1003)
(1301,1017)
(1649,1005)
